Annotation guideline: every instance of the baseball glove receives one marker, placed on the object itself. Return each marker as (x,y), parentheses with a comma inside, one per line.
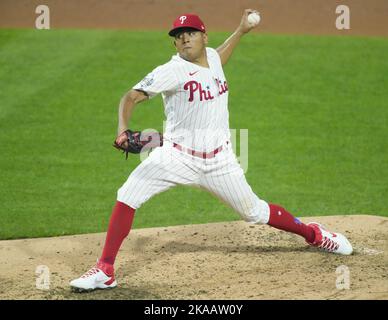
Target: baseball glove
(137,141)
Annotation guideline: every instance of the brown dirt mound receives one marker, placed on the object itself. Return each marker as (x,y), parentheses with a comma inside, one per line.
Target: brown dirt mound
(233,260)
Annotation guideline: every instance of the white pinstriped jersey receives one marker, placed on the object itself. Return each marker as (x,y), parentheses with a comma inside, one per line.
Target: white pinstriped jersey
(196,106)
(195,101)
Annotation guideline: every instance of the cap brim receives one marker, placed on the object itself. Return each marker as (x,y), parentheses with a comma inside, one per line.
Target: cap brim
(173,32)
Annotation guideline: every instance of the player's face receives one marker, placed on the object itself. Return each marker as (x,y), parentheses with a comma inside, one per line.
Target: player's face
(191,44)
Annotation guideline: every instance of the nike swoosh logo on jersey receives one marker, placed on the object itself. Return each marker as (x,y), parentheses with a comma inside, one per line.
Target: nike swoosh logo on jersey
(193,73)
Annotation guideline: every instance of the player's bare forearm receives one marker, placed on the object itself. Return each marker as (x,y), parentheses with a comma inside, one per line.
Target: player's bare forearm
(227,48)
(127,104)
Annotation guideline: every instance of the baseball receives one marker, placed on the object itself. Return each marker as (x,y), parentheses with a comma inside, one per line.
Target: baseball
(254,19)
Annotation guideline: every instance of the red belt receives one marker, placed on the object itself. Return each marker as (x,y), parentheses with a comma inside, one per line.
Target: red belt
(204,155)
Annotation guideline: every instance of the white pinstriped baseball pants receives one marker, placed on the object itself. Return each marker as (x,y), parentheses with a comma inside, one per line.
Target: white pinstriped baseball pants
(222,176)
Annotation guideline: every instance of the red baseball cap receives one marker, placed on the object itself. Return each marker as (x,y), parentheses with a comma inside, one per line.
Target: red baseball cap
(187,21)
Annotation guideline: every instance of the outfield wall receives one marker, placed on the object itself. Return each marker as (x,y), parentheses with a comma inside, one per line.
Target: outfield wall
(367,17)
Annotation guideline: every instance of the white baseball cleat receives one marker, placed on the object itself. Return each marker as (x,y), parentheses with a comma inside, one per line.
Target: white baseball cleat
(94,279)
(329,241)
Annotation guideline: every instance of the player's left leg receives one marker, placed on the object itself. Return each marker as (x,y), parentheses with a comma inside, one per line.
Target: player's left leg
(227,181)
(165,168)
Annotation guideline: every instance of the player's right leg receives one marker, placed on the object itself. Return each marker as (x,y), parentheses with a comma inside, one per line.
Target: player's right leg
(162,170)
(227,181)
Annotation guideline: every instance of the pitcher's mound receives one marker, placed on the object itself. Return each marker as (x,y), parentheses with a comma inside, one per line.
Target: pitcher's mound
(233,260)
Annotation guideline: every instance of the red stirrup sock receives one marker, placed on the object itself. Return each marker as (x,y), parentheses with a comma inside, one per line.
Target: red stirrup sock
(279,218)
(119,226)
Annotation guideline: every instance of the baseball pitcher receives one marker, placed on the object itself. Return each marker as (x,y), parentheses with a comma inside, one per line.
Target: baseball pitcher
(195,147)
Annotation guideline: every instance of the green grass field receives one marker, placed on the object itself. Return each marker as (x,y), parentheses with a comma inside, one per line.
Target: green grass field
(316,109)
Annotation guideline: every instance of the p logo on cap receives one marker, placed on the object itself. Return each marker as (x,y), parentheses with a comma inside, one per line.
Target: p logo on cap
(187,21)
